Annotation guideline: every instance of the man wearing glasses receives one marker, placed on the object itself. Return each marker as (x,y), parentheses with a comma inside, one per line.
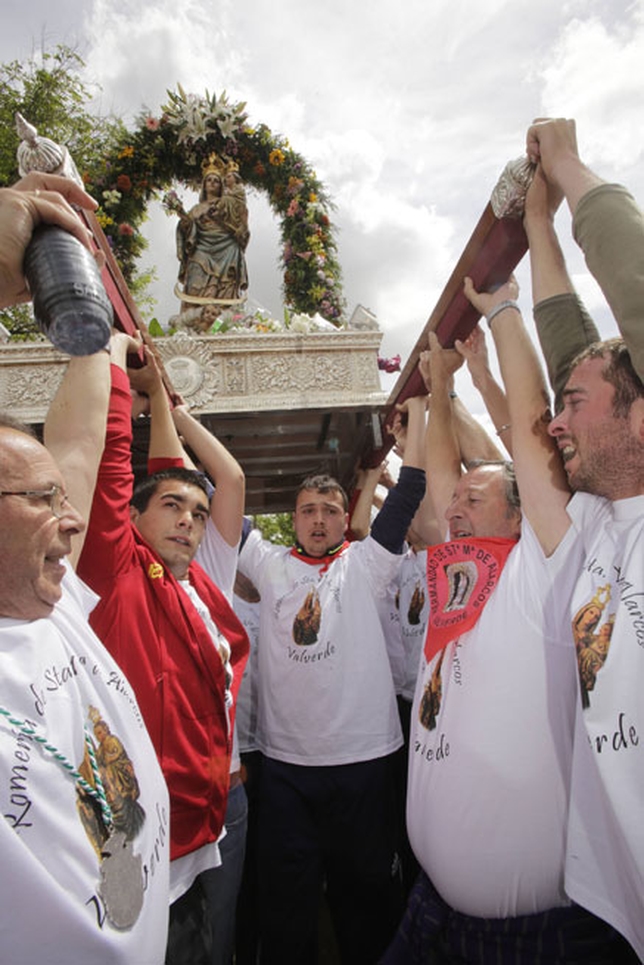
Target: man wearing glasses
(86,872)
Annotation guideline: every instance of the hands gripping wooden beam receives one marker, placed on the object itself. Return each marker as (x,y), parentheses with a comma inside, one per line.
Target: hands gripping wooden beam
(496,246)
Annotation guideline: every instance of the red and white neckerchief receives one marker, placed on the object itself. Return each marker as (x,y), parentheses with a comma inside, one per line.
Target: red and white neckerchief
(298,552)
(461,576)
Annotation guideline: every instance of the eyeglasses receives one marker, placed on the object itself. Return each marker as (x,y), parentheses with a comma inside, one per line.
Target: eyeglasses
(58,501)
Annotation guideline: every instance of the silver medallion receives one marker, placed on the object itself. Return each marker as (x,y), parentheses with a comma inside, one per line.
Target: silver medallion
(121,884)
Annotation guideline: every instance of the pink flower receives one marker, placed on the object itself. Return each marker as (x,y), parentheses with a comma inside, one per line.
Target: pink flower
(125,229)
(152,123)
(389,365)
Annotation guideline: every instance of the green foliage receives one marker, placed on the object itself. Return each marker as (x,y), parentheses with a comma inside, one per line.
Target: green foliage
(276,527)
(50,94)
(19,320)
(172,148)
(140,290)
(154,328)
(126,169)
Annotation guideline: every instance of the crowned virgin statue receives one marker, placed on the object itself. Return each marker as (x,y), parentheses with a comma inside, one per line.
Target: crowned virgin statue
(211,240)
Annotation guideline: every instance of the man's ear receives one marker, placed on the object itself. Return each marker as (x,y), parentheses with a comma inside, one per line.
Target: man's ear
(134,514)
(346,522)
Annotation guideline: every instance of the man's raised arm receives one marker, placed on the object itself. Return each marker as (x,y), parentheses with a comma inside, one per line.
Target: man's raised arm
(74,430)
(474,442)
(442,451)
(539,470)
(564,326)
(227,503)
(607,225)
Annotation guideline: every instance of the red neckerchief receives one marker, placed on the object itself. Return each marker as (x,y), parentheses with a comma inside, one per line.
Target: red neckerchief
(183,616)
(298,552)
(461,576)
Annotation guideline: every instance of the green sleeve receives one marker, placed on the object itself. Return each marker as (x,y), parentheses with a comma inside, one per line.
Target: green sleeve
(609,228)
(564,328)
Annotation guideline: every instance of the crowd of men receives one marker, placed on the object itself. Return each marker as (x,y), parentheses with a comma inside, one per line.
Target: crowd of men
(499,675)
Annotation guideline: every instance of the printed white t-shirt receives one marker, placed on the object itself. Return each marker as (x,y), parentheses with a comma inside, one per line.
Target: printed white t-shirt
(388,606)
(413,602)
(57,676)
(326,695)
(605,855)
(246,717)
(489,764)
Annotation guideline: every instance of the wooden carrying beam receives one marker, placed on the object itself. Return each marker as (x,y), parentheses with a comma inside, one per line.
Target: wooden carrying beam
(126,313)
(492,253)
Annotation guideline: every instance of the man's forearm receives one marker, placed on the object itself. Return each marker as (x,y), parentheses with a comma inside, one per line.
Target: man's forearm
(609,228)
(564,328)
(392,522)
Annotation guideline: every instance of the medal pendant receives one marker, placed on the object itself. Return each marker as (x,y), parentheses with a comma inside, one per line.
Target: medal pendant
(121,884)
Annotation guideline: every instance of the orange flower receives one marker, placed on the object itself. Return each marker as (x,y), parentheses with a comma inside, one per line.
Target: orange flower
(123,182)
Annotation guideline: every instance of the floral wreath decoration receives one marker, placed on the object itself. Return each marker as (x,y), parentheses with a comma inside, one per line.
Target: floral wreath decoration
(173,147)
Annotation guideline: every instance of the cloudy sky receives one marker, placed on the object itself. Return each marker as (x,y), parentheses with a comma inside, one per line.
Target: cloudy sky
(408,111)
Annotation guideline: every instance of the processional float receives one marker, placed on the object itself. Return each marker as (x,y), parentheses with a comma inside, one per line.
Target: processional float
(494,249)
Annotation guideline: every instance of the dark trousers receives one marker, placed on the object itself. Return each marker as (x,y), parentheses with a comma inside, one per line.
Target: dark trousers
(202,920)
(409,864)
(190,931)
(432,933)
(334,825)
(247,928)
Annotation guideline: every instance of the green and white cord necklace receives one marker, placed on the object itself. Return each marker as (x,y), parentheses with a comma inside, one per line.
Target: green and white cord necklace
(121,874)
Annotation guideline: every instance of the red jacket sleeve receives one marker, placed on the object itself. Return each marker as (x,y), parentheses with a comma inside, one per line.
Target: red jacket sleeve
(109,548)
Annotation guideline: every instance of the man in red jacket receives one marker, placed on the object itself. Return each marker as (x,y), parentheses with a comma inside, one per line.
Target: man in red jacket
(171,628)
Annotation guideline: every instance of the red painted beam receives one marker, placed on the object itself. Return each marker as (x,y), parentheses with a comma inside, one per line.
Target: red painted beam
(492,253)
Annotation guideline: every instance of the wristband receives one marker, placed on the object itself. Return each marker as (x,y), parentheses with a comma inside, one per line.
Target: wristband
(500,308)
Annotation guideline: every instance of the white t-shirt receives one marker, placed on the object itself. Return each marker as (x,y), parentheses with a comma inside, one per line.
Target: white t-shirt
(605,856)
(489,768)
(218,559)
(326,695)
(413,604)
(246,717)
(388,606)
(55,674)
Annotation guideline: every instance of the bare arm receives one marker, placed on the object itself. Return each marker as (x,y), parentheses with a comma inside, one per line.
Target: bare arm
(426,528)
(442,452)
(164,441)
(539,470)
(75,426)
(227,503)
(414,452)
(473,440)
(360,522)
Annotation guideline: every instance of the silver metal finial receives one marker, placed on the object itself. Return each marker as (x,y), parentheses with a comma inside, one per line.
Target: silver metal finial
(37,153)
